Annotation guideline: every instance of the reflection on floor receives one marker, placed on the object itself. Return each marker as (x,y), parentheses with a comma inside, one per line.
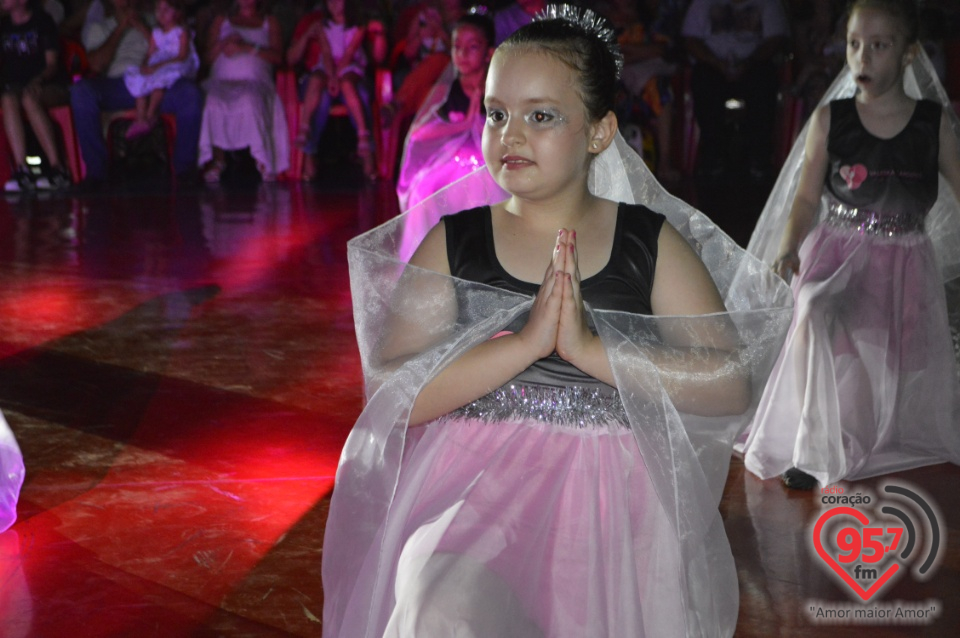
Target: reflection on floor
(180,371)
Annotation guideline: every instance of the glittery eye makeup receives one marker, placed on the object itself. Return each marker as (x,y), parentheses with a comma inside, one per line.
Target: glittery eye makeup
(545,118)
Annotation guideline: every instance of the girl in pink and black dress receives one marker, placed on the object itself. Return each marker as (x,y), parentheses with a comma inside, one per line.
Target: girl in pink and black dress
(553,382)
(867,381)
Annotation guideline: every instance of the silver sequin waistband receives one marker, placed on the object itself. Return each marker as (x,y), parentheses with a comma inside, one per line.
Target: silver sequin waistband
(868,222)
(577,407)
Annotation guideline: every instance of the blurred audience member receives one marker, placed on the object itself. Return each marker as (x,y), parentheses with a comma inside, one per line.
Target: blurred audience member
(116,38)
(819,48)
(32,83)
(242,108)
(335,73)
(514,16)
(648,31)
(170,57)
(734,45)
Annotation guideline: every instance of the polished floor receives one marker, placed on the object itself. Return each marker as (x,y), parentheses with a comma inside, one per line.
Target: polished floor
(180,370)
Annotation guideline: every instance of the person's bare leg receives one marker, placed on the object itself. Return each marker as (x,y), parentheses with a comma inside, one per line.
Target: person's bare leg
(355,107)
(42,125)
(13,126)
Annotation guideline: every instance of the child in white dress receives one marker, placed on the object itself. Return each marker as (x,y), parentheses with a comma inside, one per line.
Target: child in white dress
(171,56)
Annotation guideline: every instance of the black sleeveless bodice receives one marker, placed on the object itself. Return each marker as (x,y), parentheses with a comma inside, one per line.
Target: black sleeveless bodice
(625,283)
(896,176)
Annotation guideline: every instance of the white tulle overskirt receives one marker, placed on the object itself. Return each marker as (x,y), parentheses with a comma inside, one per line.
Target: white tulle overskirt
(866,383)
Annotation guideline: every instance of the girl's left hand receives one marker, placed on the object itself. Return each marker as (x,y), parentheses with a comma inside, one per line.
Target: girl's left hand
(573,335)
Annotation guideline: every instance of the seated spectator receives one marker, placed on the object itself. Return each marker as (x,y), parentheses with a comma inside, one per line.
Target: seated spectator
(519,13)
(647,34)
(336,74)
(444,143)
(734,45)
(820,48)
(170,56)
(243,109)
(32,83)
(116,38)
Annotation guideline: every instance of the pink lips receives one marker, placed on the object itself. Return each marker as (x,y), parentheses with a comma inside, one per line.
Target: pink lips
(514,162)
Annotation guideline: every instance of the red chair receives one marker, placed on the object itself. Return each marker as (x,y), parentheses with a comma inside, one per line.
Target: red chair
(167,120)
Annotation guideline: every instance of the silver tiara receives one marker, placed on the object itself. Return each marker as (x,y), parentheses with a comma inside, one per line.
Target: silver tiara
(591,22)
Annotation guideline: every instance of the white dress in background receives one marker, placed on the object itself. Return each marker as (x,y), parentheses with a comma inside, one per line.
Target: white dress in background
(242,108)
(167,48)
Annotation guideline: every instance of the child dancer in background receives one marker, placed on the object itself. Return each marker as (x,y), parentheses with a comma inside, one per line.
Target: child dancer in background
(528,462)
(444,141)
(867,380)
(171,56)
(339,72)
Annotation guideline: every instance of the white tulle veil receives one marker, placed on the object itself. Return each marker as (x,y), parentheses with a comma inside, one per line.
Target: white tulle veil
(425,320)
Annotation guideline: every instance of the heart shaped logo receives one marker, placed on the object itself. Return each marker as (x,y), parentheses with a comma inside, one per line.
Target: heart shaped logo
(831,560)
(853,175)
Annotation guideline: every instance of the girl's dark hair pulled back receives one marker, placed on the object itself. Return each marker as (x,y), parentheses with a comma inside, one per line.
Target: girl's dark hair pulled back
(906,12)
(584,52)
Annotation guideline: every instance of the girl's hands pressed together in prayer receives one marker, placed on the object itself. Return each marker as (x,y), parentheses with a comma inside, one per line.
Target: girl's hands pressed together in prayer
(573,335)
(557,320)
(540,332)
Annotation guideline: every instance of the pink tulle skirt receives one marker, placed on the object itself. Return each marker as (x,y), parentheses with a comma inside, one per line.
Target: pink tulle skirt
(527,529)
(866,383)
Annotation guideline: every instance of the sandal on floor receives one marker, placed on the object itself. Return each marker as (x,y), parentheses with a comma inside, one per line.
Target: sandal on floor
(366,155)
(302,138)
(265,175)
(798,479)
(213,172)
(309,171)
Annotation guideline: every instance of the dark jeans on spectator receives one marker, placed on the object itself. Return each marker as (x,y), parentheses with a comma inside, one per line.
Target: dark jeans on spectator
(757,87)
(93,96)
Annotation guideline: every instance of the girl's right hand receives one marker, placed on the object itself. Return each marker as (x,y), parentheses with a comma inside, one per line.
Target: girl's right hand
(787,265)
(540,332)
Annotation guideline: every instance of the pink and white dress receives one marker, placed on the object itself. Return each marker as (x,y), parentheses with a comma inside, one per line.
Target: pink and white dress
(867,381)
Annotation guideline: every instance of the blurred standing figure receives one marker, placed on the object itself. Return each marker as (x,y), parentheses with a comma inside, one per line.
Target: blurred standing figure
(734,44)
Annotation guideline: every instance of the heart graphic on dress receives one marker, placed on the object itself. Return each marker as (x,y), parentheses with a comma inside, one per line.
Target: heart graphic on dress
(853,175)
(865,594)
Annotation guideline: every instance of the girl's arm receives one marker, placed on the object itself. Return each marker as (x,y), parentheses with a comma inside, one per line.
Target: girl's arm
(698,361)
(299,45)
(182,53)
(351,50)
(271,53)
(949,155)
(217,43)
(491,363)
(809,189)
